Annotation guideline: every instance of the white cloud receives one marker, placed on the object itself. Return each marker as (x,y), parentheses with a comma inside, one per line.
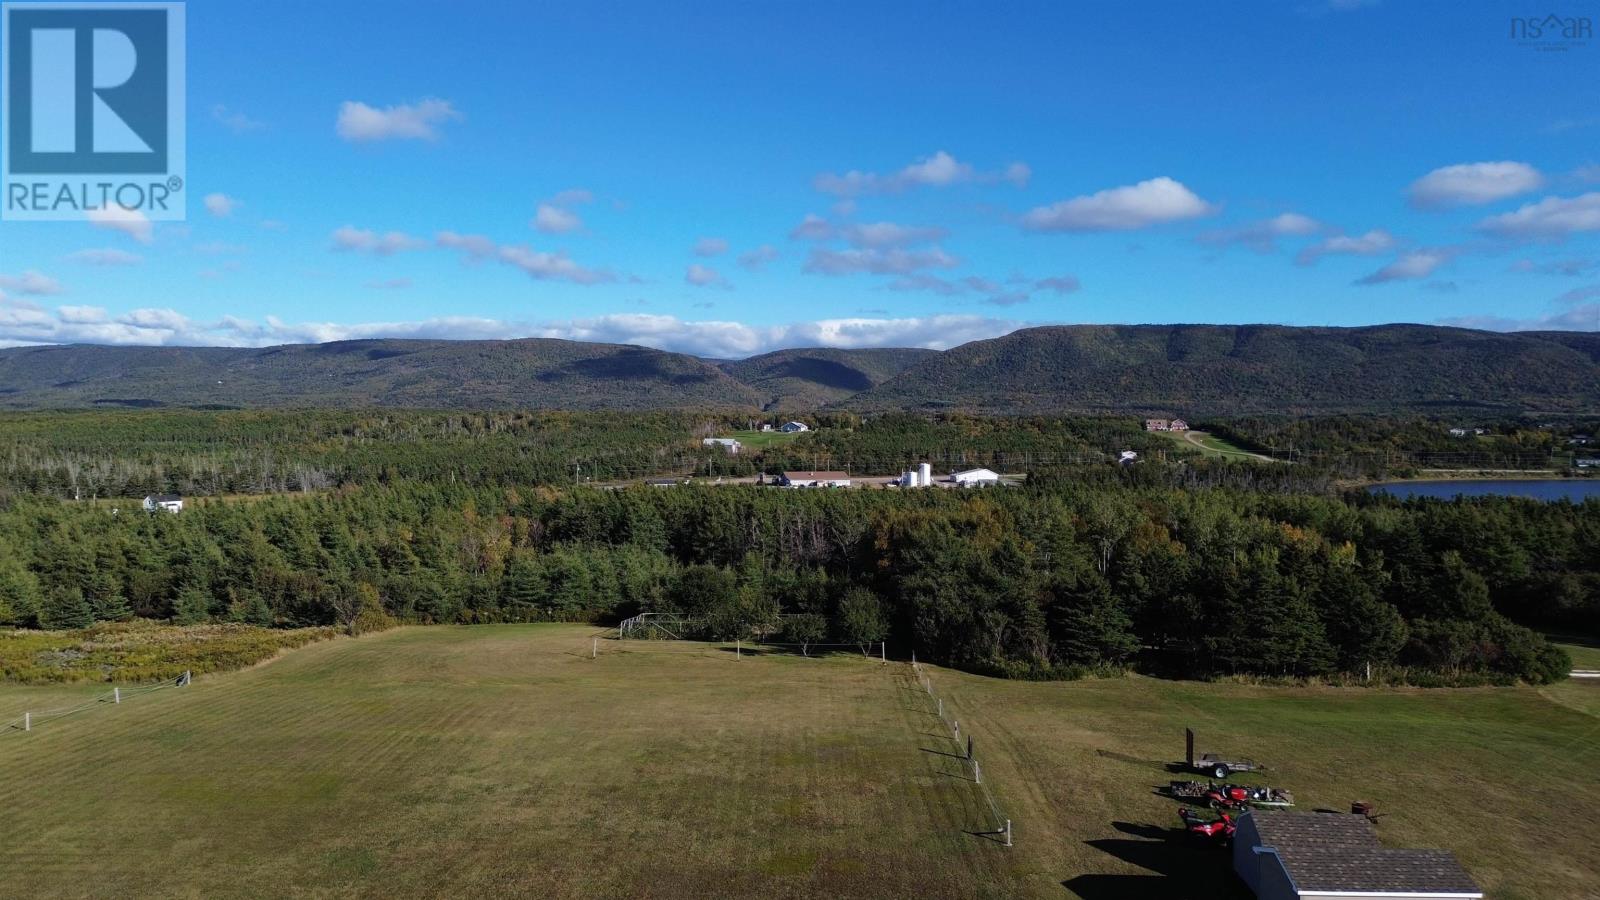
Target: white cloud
(105,256)
(939,170)
(552,219)
(1372,243)
(1153,202)
(81,315)
(1060,284)
(1583,317)
(1552,217)
(551,266)
(1415,264)
(813,228)
(475,247)
(534,263)
(359,122)
(1572,268)
(22,323)
(1263,236)
(1473,184)
(890,234)
(30,282)
(362,240)
(555,216)
(235,121)
(130,222)
(704,276)
(710,246)
(893,261)
(221,205)
(757,259)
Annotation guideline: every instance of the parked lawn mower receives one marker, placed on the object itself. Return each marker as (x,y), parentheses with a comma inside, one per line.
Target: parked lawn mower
(1230,796)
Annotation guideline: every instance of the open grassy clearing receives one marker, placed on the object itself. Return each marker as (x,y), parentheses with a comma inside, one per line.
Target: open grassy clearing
(499,759)
(757,440)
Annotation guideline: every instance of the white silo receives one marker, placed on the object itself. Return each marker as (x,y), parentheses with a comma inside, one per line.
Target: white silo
(925,475)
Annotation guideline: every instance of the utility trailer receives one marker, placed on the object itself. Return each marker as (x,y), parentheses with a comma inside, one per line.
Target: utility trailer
(1214,764)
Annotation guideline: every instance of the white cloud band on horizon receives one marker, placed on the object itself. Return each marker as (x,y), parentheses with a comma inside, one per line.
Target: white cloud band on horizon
(24,323)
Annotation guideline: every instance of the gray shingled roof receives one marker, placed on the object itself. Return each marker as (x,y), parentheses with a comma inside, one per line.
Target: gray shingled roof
(1337,852)
(1353,869)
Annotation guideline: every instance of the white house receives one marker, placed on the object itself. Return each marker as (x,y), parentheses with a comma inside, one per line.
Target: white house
(814,479)
(1458,432)
(1128,457)
(975,478)
(1332,856)
(730,445)
(170,502)
(794,427)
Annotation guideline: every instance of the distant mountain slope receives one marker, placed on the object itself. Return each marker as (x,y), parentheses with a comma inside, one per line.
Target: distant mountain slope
(1225,369)
(812,377)
(1174,369)
(551,374)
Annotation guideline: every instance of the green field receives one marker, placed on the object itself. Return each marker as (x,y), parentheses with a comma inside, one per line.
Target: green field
(498,759)
(1211,445)
(759,440)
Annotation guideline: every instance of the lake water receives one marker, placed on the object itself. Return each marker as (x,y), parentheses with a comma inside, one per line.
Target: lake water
(1574,489)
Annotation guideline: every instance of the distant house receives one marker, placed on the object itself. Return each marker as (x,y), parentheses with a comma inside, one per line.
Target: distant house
(1295,855)
(729,445)
(794,427)
(814,479)
(1458,432)
(1127,457)
(170,502)
(1156,425)
(766,426)
(1586,463)
(1581,440)
(1177,425)
(662,482)
(975,478)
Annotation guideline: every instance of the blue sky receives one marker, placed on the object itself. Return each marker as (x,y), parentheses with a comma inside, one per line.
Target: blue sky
(729,178)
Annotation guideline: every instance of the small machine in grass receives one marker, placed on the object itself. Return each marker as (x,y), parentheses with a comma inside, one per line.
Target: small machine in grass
(1230,796)
(1219,830)
(1214,764)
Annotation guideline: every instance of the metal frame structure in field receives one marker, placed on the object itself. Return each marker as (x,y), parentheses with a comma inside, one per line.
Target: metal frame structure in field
(657,625)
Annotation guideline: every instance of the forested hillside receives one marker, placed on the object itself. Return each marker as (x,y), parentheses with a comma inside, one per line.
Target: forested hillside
(1191,370)
(523,374)
(813,378)
(1210,370)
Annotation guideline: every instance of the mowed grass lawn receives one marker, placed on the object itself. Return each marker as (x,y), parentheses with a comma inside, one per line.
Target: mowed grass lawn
(501,759)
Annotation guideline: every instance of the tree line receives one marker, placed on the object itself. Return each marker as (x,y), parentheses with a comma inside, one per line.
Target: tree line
(1188,569)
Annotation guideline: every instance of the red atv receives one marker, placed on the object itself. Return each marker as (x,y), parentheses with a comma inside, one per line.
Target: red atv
(1219,830)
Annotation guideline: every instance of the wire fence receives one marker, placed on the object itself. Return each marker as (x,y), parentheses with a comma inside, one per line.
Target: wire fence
(1000,825)
(32,719)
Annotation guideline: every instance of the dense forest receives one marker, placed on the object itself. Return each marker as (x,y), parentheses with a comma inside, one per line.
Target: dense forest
(1190,567)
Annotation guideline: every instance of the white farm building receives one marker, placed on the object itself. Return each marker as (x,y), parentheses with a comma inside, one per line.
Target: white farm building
(975,478)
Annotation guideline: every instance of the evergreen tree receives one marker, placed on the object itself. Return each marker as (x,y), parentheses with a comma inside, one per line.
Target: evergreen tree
(193,607)
(64,608)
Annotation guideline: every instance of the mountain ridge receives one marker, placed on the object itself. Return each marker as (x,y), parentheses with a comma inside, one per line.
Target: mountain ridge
(1176,369)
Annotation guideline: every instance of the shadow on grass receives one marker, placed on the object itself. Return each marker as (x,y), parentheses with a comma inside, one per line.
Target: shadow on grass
(1181,866)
